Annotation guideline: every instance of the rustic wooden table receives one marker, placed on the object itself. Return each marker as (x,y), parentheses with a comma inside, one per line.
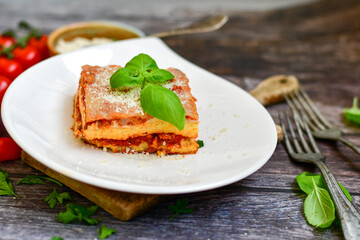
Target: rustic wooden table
(318,42)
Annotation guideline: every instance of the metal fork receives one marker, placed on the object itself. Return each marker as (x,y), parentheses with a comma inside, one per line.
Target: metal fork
(300,102)
(304,149)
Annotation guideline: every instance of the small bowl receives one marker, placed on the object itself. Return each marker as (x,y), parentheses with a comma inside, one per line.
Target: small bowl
(96,29)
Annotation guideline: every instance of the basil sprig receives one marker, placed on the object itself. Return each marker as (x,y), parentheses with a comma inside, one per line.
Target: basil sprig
(157,101)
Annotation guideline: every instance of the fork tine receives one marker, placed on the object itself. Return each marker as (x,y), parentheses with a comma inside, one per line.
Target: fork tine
(314,108)
(292,132)
(286,137)
(310,136)
(295,109)
(289,102)
(300,133)
(308,122)
(301,101)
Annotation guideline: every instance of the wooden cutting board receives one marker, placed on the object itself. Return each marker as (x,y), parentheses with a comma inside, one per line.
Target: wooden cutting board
(126,206)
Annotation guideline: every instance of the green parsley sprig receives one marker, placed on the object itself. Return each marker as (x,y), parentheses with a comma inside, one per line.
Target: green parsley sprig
(201,143)
(54,198)
(319,207)
(105,232)
(78,213)
(56,238)
(36,179)
(6,187)
(180,207)
(156,100)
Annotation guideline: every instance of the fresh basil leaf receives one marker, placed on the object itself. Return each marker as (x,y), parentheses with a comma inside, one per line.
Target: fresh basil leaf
(163,104)
(319,208)
(305,183)
(125,77)
(159,75)
(142,62)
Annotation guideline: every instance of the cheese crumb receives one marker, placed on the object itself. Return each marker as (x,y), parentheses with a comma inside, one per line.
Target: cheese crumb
(214,138)
(224,130)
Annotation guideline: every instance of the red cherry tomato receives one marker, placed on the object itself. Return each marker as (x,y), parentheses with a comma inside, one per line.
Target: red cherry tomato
(41,45)
(27,56)
(4,84)
(9,150)
(6,41)
(10,68)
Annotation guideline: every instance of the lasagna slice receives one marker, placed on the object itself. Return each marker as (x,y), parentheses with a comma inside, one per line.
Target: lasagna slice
(114,119)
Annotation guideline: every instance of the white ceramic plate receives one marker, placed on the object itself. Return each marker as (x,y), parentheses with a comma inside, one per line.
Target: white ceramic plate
(238,132)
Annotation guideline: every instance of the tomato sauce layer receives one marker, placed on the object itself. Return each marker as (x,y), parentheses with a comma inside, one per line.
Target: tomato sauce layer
(153,140)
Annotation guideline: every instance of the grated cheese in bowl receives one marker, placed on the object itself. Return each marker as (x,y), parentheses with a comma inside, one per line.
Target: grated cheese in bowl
(63,46)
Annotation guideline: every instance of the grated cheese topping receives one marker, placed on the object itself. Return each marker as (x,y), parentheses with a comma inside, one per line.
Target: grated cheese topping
(124,102)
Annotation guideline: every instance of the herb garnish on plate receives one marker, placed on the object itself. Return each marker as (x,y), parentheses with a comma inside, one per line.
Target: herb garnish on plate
(156,100)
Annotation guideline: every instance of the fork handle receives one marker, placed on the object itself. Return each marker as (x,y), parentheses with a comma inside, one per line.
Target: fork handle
(350,218)
(350,144)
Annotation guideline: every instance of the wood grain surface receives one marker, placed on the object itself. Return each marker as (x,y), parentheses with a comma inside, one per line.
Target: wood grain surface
(319,43)
(122,205)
